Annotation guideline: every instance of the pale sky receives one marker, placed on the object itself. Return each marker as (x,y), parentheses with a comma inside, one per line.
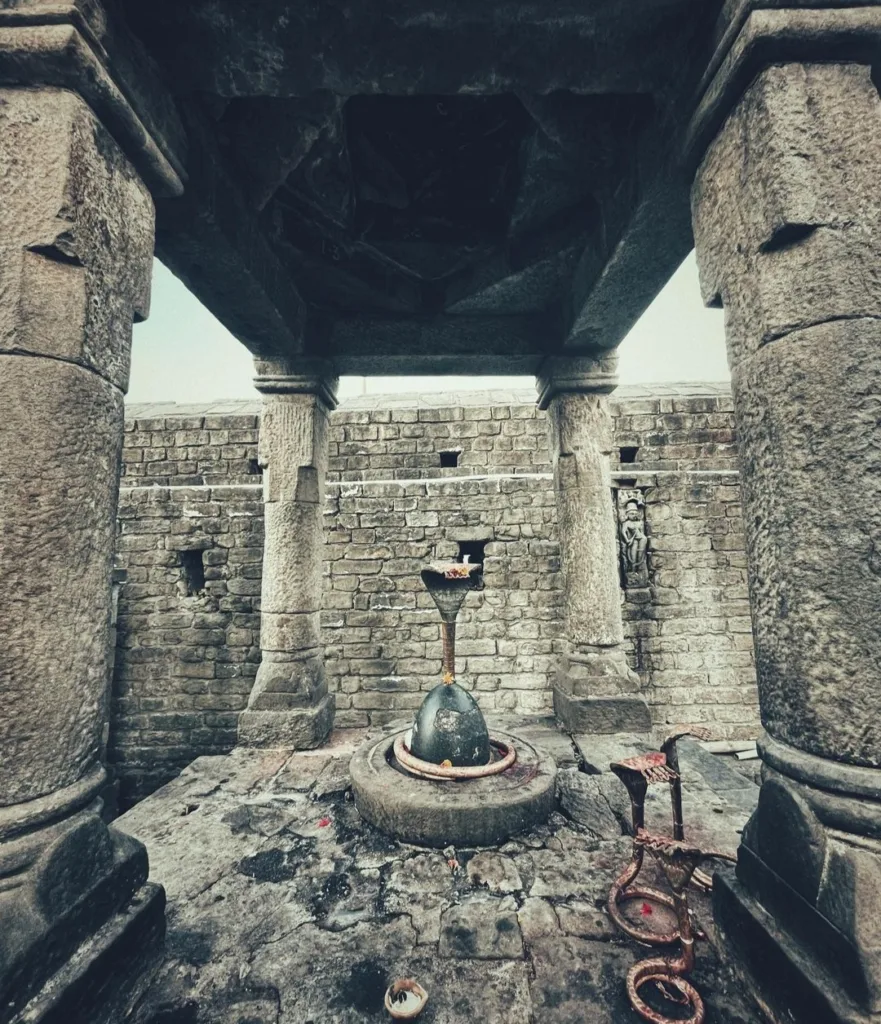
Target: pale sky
(183,354)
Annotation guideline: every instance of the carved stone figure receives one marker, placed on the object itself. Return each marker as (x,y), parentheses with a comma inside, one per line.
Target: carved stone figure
(632,539)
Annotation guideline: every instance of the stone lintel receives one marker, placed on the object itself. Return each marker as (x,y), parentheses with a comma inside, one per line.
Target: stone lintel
(300,377)
(758,37)
(211,240)
(57,45)
(585,374)
(364,345)
(613,287)
(643,234)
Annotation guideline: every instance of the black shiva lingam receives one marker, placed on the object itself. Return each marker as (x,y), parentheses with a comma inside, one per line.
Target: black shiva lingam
(449,738)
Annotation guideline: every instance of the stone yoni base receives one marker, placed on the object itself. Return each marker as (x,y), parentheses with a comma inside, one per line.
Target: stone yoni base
(788,982)
(476,812)
(601,715)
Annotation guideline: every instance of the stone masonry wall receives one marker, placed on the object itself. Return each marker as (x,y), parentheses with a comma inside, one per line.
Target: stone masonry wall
(188,647)
(381,627)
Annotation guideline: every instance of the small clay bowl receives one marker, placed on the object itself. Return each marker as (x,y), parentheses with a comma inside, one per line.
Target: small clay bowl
(410,1007)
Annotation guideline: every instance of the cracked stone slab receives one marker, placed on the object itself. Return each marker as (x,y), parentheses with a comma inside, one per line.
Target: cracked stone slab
(299,773)
(495,872)
(585,921)
(538,919)
(599,751)
(545,733)
(579,982)
(599,802)
(334,780)
(482,930)
(577,870)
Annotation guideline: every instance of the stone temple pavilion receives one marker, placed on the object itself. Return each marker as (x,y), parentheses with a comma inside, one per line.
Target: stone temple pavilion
(438,187)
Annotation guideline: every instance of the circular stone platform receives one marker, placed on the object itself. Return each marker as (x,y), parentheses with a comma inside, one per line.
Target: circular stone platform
(476,812)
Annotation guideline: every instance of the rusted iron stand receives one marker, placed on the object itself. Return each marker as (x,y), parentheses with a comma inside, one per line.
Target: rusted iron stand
(637,774)
(679,862)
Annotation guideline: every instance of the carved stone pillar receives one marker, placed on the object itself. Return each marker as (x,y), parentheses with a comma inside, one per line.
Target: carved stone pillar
(289,705)
(76,249)
(594,690)
(787,219)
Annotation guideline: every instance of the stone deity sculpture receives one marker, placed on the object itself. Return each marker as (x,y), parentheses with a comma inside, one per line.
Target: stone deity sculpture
(633,540)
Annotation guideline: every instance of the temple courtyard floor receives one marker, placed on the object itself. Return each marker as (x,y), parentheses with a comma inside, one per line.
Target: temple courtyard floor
(286,907)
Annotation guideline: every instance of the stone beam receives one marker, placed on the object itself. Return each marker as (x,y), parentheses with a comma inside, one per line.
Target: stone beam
(643,240)
(81,926)
(268,137)
(221,47)
(212,240)
(644,229)
(787,216)
(440,345)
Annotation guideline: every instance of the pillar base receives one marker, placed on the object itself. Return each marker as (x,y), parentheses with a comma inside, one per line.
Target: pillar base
(601,714)
(788,983)
(81,905)
(297,729)
(596,691)
(107,975)
(803,915)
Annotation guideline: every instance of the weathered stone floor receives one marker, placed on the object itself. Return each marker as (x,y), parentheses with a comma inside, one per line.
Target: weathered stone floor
(286,908)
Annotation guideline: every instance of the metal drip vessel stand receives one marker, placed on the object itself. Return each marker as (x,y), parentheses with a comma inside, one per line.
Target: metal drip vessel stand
(680,863)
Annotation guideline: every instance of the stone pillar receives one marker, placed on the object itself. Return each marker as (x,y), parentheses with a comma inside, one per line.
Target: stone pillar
(787,219)
(594,690)
(76,250)
(289,705)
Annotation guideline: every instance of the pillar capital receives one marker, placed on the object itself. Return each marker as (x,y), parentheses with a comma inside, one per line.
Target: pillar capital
(586,375)
(298,377)
(749,38)
(79,47)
